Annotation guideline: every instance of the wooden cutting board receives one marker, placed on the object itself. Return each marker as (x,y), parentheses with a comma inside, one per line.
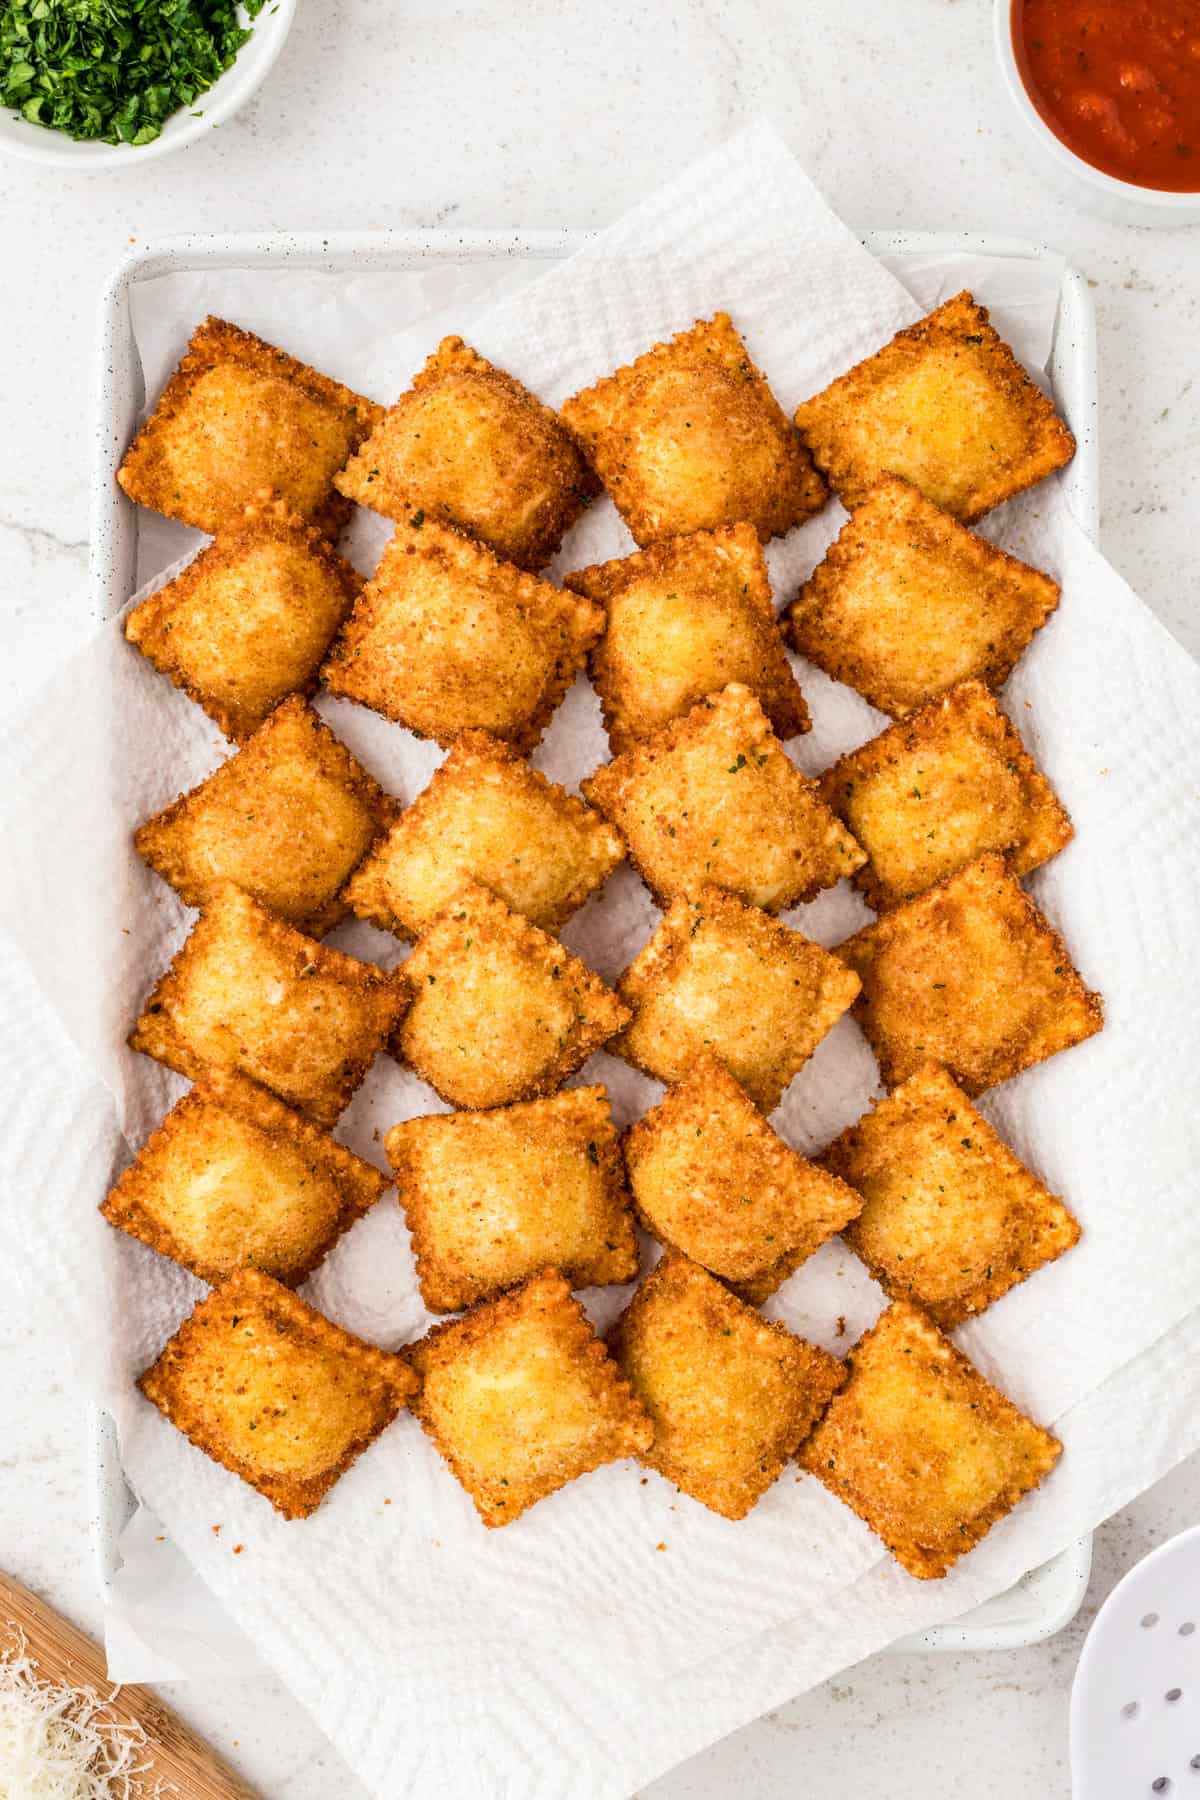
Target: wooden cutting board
(173,1753)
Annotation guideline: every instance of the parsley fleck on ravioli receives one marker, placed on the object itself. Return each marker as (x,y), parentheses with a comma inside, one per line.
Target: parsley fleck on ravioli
(969,975)
(473,447)
(690,437)
(946,405)
(274,1392)
(685,618)
(521,1397)
(239,417)
(922,1448)
(731,1395)
(446,638)
(714,797)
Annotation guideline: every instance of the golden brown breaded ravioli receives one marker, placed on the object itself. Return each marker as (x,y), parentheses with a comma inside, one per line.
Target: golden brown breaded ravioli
(969,975)
(486,816)
(685,618)
(938,789)
(722,976)
(947,405)
(240,417)
(714,797)
(690,437)
(922,1448)
(493,1197)
(950,1218)
(249,619)
(446,638)
(908,602)
(248,992)
(520,1396)
(476,449)
(274,1392)
(731,1395)
(711,1179)
(500,1010)
(287,819)
(233,1178)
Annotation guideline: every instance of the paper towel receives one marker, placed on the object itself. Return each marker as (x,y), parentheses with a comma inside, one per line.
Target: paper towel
(569,1653)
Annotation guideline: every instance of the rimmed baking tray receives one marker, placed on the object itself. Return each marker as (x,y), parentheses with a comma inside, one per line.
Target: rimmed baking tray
(1045,1599)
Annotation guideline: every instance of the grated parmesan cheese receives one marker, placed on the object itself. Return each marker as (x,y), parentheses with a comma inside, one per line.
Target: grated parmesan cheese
(59,1743)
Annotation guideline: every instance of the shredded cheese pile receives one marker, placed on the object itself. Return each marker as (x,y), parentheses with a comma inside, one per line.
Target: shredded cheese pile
(59,1743)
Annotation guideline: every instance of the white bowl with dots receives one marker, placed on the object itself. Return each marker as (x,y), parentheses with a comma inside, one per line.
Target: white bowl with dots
(1135,1706)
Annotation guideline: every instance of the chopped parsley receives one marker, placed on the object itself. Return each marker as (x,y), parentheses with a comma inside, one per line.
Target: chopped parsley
(114,70)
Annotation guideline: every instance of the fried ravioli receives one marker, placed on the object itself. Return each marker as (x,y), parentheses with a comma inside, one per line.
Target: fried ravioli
(486,816)
(940,788)
(711,1179)
(520,1396)
(500,1010)
(946,405)
(969,975)
(476,449)
(287,818)
(951,1219)
(685,618)
(240,416)
(922,1448)
(233,1178)
(445,637)
(249,620)
(493,1197)
(907,603)
(690,437)
(248,992)
(714,797)
(271,1390)
(722,976)
(731,1395)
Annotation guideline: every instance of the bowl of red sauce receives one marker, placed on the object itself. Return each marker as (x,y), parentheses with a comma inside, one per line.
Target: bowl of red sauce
(1111,90)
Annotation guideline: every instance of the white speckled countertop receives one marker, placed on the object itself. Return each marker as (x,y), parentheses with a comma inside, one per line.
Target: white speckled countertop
(556,113)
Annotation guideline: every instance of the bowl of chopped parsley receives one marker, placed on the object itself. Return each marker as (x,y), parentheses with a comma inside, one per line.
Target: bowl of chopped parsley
(92,84)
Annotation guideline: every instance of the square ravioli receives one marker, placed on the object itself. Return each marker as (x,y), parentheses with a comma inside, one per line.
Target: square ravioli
(907,603)
(711,1179)
(494,1197)
(950,1218)
(947,405)
(520,1396)
(719,975)
(969,975)
(275,1392)
(500,1010)
(690,437)
(249,620)
(446,637)
(486,816)
(940,788)
(240,417)
(248,992)
(922,1448)
(476,449)
(731,1395)
(685,618)
(714,797)
(233,1178)
(286,819)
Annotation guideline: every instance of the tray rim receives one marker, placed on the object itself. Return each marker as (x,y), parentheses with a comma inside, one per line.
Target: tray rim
(111,1500)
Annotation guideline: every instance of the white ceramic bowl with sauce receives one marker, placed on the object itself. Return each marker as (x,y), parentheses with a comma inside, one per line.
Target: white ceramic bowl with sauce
(245,74)
(1124,201)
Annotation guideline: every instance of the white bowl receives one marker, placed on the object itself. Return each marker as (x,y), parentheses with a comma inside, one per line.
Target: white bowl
(248,70)
(1123,201)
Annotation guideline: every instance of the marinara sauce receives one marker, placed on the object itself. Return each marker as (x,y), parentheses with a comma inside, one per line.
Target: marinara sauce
(1118,81)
